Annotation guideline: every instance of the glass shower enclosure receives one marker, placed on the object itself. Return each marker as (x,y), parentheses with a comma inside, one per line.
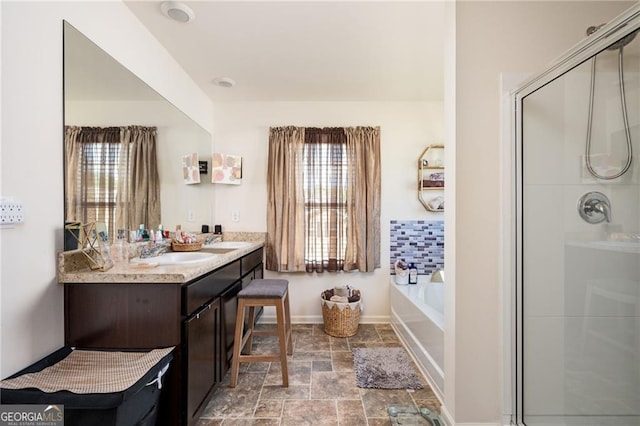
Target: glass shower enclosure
(577,291)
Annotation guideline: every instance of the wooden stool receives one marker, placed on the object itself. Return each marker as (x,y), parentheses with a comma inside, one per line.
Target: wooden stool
(263,292)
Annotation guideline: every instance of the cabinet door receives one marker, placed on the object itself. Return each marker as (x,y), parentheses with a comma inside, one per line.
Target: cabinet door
(229,302)
(258,272)
(201,346)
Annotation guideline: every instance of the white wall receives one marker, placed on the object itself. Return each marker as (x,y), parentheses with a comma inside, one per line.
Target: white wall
(492,37)
(31,155)
(242,128)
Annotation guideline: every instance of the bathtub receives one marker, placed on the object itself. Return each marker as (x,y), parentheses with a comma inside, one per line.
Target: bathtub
(417,316)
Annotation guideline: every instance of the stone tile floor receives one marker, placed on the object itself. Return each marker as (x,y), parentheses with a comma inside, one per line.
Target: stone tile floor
(322,389)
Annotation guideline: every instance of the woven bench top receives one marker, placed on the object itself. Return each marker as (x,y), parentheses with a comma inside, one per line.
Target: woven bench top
(87,371)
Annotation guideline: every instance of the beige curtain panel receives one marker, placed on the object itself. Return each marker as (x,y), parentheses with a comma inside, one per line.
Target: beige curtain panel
(285,200)
(139,192)
(363,195)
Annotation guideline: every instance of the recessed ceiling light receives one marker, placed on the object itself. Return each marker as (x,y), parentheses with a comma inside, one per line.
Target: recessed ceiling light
(224,82)
(177,11)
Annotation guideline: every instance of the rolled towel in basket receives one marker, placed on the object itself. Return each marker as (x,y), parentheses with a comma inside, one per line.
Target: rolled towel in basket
(339,299)
(341,291)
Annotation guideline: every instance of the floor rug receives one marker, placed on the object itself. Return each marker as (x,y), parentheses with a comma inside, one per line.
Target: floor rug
(384,368)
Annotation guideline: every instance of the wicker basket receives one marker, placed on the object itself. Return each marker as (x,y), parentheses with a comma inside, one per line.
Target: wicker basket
(175,246)
(341,319)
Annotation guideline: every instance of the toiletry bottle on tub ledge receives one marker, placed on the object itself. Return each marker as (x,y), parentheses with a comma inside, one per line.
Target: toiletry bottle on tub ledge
(413,274)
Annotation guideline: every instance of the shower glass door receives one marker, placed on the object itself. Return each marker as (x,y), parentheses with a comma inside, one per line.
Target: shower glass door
(578,292)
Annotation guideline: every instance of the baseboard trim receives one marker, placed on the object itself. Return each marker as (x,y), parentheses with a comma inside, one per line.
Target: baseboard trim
(446,416)
(270,318)
(447,419)
(476,424)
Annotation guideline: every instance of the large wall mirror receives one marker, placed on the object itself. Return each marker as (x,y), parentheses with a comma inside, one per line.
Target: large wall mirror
(100,92)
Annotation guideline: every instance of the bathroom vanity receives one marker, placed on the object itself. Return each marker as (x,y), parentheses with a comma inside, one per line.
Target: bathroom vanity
(191,307)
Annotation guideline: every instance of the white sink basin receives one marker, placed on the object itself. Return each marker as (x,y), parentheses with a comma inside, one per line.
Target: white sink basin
(228,244)
(176,258)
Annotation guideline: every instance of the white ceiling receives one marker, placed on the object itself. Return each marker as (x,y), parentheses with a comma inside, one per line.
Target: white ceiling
(307,51)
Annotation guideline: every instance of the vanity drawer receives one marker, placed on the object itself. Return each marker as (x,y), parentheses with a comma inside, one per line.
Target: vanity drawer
(251,260)
(200,291)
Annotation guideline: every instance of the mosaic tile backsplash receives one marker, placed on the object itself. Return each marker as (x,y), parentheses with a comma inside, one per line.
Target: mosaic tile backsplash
(418,241)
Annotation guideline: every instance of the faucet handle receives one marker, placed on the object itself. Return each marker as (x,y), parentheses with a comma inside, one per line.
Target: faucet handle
(594,207)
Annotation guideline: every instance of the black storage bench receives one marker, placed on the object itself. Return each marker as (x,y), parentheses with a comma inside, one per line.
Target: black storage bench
(96,387)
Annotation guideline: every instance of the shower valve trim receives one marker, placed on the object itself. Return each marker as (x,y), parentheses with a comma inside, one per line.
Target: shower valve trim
(594,207)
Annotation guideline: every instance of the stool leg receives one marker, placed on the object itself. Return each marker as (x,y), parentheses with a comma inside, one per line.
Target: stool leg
(282,337)
(288,329)
(252,318)
(237,343)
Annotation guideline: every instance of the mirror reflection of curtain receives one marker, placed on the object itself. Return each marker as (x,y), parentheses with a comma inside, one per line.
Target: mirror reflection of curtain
(323,191)
(140,184)
(112,176)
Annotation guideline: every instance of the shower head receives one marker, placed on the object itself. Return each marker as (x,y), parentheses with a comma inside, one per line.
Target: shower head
(623,41)
(618,44)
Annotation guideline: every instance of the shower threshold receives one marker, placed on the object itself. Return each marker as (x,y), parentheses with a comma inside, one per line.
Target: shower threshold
(410,416)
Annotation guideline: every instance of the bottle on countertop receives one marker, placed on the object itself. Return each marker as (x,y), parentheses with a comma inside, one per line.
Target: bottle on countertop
(413,273)
(105,250)
(120,249)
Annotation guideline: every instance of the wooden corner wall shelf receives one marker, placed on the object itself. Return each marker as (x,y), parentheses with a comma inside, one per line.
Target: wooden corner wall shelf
(431,178)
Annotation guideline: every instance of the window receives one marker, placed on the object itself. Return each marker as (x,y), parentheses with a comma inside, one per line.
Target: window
(325,199)
(98,183)
(323,190)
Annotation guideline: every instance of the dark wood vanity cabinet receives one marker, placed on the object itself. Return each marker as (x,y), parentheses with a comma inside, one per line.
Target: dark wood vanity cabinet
(197,317)
(201,347)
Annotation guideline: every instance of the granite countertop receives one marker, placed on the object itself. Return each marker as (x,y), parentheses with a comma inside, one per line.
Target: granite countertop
(72,268)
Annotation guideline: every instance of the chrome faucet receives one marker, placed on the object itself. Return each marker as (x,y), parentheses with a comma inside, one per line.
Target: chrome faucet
(594,207)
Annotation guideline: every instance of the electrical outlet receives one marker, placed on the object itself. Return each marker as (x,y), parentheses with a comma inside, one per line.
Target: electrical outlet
(191,216)
(11,211)
(235,216)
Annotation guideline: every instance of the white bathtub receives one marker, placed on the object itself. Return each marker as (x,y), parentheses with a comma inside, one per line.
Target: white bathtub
(417,315)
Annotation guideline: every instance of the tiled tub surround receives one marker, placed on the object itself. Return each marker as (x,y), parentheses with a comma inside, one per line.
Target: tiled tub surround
(417,316)
(418,241)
